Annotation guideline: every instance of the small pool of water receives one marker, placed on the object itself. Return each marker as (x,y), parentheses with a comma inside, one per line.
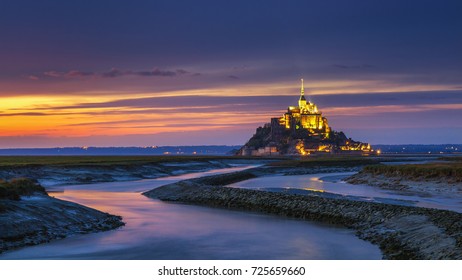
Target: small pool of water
(332,183)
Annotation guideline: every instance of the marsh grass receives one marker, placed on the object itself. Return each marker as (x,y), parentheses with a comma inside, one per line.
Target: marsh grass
(15,188)
(451,171)
(452,159)
(337,161)
(11,161)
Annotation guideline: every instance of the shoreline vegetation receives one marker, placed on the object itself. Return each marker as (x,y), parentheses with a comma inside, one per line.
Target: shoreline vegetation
(68,161)
(18,187)
(427,179)
(448,172)
(402,232)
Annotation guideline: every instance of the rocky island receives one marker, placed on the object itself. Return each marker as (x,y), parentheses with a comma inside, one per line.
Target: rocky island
(302,130)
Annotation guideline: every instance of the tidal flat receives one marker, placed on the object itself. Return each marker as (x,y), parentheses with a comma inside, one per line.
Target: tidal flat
(115,186)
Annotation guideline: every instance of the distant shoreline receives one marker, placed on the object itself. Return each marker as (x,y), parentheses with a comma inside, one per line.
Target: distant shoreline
(436,149)
(121,151)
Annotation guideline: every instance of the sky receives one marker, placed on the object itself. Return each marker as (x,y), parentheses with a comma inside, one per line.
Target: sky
(144,73)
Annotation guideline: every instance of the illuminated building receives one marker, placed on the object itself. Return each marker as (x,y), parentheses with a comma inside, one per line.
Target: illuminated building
(306,116)
(302,130)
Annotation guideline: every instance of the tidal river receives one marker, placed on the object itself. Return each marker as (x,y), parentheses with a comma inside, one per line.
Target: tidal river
(159,230)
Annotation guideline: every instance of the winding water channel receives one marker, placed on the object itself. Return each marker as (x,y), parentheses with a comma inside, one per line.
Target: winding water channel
(331,184)
(159,230)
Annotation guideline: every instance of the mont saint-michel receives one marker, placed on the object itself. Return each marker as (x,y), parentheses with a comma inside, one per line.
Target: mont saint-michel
(252,134)
(301,130)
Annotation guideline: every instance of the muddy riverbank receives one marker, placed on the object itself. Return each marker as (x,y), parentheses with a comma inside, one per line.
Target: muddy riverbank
(418,182)
(40,218)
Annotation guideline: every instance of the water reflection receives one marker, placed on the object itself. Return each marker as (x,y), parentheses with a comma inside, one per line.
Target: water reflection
(158,230)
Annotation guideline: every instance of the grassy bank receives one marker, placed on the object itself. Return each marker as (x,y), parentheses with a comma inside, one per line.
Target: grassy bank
(282,161)
(337,161)
(451,159)
(15,188)
(451,171)
(8,161)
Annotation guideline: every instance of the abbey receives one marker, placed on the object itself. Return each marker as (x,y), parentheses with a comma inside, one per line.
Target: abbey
(301,130)
(305,116)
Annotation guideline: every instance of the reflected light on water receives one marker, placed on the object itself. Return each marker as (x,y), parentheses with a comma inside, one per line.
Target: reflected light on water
(330,183)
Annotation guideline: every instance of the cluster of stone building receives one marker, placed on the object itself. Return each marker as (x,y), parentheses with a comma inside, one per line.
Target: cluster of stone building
(301,130)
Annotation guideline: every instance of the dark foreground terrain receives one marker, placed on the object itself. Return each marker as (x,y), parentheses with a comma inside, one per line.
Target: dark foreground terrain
(28,216)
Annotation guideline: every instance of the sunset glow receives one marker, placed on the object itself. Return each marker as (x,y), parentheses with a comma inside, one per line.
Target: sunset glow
(127,82)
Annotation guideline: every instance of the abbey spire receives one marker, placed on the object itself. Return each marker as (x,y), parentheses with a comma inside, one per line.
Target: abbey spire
(302,90)
(302,100)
